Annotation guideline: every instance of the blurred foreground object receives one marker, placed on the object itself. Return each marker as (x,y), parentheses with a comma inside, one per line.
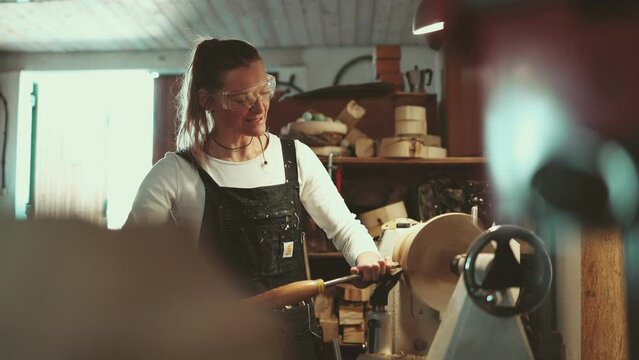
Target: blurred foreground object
(70,290)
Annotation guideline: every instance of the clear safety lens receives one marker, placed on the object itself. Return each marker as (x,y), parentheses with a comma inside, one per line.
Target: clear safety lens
(245,98)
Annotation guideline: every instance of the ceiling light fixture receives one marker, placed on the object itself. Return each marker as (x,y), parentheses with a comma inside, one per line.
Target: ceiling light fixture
(429,17)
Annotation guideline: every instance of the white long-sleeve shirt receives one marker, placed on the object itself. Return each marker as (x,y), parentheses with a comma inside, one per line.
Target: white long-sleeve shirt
(173,188)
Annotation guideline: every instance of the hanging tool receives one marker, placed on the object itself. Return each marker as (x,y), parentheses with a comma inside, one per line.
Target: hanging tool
(336,349)
(301,290)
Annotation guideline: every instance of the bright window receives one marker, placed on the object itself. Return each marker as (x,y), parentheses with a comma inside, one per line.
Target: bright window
(93,143)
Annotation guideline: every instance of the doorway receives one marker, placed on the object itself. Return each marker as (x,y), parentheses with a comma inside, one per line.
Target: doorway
(91,147)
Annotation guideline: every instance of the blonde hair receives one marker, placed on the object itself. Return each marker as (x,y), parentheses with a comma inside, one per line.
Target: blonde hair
(210,60)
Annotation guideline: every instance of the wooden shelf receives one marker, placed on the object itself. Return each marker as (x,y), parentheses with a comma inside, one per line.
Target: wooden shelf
(326,255)
(412,93)
(451,161)
(352,345)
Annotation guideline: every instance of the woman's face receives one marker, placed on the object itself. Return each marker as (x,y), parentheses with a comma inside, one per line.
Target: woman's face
(241,106)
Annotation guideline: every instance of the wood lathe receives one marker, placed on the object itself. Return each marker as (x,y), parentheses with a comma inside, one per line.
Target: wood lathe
(456,294)
(460,293)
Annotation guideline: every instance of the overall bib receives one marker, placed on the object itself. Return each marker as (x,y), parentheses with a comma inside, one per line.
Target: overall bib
(256,233)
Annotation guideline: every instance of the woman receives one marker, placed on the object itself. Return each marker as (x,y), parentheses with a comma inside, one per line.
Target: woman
(241,190)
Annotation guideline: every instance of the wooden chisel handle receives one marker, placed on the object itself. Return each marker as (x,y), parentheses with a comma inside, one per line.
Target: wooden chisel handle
(288,294)
(295,292)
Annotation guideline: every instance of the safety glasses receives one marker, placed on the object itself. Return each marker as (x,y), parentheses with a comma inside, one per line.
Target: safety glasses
(245,98)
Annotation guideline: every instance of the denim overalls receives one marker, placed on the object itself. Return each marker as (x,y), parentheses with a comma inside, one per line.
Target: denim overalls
(257,234)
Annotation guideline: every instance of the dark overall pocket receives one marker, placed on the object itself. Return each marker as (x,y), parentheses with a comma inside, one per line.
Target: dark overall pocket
(273,243)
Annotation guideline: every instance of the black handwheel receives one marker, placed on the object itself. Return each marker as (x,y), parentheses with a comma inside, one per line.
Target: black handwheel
(506,272)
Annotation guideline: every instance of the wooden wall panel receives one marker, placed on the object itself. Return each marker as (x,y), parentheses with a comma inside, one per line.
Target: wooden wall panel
(603,301)
(463,111)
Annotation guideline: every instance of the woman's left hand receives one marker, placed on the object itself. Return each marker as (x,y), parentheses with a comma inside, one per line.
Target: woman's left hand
(370,266)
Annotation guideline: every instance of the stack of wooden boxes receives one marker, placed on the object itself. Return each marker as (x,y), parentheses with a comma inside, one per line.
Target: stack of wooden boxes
(387,61)
(342,313)
(411,139)
(325,312)
(352,308)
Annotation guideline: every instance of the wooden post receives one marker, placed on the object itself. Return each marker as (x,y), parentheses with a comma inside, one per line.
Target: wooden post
(603,296)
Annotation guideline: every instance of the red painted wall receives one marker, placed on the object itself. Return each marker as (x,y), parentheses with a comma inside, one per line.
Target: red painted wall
(590,62)
(593,65)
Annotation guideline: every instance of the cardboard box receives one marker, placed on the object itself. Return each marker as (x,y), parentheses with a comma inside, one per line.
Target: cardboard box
(324,306)
(374,219)
(434,152)
(351,114)
(354,135)
(330,328)
(410,128)
(365,148)
(433,140)
(388,52)
(387,66)
(354,333)
(351,314)
(396,79)
(353,293)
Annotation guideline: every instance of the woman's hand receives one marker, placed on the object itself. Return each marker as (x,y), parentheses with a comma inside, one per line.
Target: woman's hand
(370,266)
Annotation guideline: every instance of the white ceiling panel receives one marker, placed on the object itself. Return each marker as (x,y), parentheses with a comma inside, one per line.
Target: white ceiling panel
(146,25)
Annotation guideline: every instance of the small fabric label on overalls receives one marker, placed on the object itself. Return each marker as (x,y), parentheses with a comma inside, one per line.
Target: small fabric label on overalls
(288,249)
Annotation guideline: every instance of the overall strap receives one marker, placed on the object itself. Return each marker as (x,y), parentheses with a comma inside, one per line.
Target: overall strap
(186,155)
(290,161)
(206,178)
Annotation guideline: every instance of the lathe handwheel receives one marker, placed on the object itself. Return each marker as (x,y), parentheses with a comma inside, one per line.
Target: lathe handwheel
(505,272)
